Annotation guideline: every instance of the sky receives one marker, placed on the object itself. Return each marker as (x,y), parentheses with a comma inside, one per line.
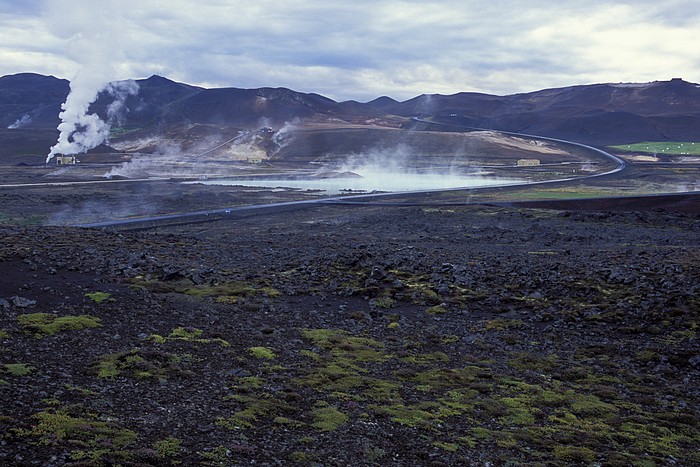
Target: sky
(356,50)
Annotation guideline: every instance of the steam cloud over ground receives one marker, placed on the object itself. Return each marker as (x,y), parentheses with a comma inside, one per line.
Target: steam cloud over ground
(92,32)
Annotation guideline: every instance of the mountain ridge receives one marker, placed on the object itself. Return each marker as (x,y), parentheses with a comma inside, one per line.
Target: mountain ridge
(601,114)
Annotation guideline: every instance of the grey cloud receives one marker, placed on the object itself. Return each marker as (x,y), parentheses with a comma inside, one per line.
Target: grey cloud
(362,49)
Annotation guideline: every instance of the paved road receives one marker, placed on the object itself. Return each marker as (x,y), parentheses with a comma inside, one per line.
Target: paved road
(86,182)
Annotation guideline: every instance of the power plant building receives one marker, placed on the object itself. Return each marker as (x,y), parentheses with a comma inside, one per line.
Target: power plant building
(65,160)
(528,162)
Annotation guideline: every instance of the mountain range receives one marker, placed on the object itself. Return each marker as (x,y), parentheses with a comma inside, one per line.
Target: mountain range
(599,114)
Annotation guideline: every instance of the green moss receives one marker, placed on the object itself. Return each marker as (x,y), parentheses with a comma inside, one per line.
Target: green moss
(217,456)
(189,334)
(384,302)
(81,391)
(74,427)
(328,419)
(248,384)
(17,369)
(308,353)
(440,378)
(248,416)
(451,447)
(518,411)
(264,353)
(426,358)
(587,406)
(528,361)
(288,422)
(43,324)
(498,324)
(413,416)
(140,363)
(229,291)
(375,454)
(436,310)
(347,350)
(156,338)
(341,370)
(99,297)
(574,454)
(336,338)
(481,433)
(299,457)
(253,407)
(169,447)
(185,333)
(358,315)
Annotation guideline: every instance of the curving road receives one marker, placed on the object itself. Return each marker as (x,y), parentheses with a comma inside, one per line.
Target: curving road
(216,214)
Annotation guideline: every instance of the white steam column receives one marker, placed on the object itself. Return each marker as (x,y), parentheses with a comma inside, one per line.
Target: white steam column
(91,33)
(81,131)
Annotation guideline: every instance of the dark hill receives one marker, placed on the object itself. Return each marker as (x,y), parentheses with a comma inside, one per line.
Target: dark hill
(155,95)
(28,100)
(599,114)
(248,107)
(382,103)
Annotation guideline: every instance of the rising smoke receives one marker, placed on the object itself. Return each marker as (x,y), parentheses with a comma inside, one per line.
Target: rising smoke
(91,32)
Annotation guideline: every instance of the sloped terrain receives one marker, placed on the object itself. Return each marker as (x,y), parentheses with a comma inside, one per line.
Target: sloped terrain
(28,100)
(355,335)
(600,114)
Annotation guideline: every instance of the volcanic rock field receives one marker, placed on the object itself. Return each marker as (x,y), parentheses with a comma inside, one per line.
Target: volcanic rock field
(338,335)
(552,323)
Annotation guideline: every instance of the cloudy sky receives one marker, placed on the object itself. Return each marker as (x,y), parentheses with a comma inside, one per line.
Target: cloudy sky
(358,49)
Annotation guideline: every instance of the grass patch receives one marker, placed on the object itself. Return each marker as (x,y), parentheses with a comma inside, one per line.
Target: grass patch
(663,147)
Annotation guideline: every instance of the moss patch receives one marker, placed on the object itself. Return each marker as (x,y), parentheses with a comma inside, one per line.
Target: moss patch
(81,432)
(99,297)
(328,419)
(47,324)
(16,369)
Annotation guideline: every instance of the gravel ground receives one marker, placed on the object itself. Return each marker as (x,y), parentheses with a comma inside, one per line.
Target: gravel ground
(338,335)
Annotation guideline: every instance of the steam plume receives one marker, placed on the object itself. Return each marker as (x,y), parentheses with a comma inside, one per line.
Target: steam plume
(80,130)
(91,31)
(20,122)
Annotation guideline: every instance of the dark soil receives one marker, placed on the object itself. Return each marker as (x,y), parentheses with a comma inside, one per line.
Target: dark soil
(336,335)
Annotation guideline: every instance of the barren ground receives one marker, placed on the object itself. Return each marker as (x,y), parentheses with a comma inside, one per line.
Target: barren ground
(341,335)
